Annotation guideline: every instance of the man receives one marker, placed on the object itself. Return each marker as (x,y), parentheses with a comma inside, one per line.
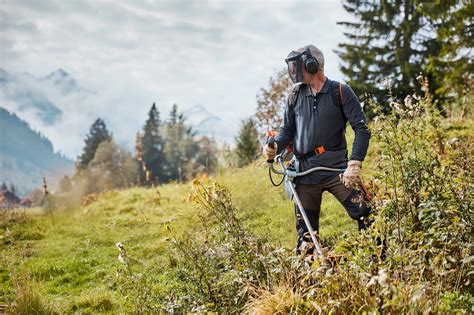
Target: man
(315,122)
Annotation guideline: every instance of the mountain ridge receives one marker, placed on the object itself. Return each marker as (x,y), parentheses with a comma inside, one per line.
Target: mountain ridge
(22,96)
(27,155)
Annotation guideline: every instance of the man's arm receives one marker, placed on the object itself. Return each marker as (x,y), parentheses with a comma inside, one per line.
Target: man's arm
(355,115)
(287,131)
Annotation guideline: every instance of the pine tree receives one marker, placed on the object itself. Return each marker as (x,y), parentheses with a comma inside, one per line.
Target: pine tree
(152,145)
(387,45)
(4,186)
(12,189)
(98,133)
(452,22)
(180,146)
(247,143)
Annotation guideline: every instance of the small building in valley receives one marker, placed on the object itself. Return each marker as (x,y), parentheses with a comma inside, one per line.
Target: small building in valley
(8,200)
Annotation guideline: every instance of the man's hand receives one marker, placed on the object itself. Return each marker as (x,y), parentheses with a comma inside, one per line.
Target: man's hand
(351,176)
(271,152)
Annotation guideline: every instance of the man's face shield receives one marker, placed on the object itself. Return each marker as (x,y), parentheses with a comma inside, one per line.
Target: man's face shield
(295,66)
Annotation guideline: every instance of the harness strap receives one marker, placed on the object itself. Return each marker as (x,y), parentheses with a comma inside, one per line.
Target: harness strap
(337,100)
(316,151)
(340,93)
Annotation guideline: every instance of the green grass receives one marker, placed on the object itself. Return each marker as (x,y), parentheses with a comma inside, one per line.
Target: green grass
(71,256)
(74,260)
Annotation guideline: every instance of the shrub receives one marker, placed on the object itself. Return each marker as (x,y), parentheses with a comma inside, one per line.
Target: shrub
(27,298)
(415,257)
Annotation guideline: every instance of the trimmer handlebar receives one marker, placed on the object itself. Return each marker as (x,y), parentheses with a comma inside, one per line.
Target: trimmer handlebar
(290,173)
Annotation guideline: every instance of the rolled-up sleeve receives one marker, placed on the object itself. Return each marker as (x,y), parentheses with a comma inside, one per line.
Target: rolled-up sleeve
(354,113)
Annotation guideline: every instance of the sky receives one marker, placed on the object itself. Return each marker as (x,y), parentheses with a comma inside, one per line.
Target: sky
(132,53)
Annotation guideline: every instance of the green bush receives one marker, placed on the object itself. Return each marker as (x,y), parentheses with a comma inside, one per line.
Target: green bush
(416,256)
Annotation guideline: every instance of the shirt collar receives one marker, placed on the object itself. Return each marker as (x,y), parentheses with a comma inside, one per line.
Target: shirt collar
(324,89)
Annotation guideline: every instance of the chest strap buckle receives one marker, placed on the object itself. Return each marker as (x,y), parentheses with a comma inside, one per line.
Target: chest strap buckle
(319,150)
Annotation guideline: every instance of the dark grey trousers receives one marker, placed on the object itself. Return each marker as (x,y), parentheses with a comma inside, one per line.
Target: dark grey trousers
(311,196)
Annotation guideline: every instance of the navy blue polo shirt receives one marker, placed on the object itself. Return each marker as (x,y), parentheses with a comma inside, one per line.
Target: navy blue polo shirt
(315,120)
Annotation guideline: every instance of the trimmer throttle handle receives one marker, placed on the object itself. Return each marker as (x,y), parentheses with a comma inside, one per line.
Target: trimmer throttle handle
(271,144)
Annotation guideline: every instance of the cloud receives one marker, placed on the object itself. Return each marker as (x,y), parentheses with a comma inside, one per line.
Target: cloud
(187,52)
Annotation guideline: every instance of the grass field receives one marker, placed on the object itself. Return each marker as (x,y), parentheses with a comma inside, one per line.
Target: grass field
(70,259)
(72,255)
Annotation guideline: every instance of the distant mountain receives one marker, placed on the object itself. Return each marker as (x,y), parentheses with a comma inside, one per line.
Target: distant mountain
(21,94)
(209,125)
(46,97)
(62,82)
(26,156)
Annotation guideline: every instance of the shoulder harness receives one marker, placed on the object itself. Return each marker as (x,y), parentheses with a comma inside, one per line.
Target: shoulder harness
(336,93)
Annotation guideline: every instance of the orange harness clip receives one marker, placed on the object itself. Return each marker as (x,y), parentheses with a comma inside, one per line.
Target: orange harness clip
(319,150)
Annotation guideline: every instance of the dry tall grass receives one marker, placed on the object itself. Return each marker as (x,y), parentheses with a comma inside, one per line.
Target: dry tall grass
(27,298)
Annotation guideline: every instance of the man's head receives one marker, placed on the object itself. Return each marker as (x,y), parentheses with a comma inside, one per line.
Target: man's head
(304,63)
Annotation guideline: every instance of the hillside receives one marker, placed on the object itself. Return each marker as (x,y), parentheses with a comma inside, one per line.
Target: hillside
(26,155)
(76,263)
(139,251)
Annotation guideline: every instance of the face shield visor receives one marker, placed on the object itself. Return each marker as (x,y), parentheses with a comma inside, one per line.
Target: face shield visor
(294,62)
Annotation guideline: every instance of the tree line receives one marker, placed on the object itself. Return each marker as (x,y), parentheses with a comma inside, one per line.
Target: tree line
(12,188)
(388,45)
(165,151)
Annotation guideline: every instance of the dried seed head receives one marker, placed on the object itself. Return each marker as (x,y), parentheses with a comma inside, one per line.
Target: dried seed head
(120,246)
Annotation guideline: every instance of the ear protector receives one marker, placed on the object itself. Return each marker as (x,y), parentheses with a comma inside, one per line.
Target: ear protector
(310,64)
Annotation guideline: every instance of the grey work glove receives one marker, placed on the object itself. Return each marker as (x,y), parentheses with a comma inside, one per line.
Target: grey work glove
(271,152)
(351,176)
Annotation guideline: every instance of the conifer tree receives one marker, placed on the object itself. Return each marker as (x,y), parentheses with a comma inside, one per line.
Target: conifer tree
(12,189)
(452,22)
(4,186)
(180,145)
(98,133)
(152,145)
(387,46)
(399,39)
(247,143)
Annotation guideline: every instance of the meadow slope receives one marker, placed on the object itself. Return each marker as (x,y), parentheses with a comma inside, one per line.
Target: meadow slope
(72,255)
(70,259)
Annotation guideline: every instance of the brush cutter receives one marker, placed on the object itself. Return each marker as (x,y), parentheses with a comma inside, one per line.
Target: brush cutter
(289,174)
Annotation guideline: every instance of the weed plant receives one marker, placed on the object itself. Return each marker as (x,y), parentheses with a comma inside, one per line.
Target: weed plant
(227,257)
(415,258)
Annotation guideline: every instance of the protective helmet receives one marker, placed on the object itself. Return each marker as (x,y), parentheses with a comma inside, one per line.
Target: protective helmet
(297,60)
